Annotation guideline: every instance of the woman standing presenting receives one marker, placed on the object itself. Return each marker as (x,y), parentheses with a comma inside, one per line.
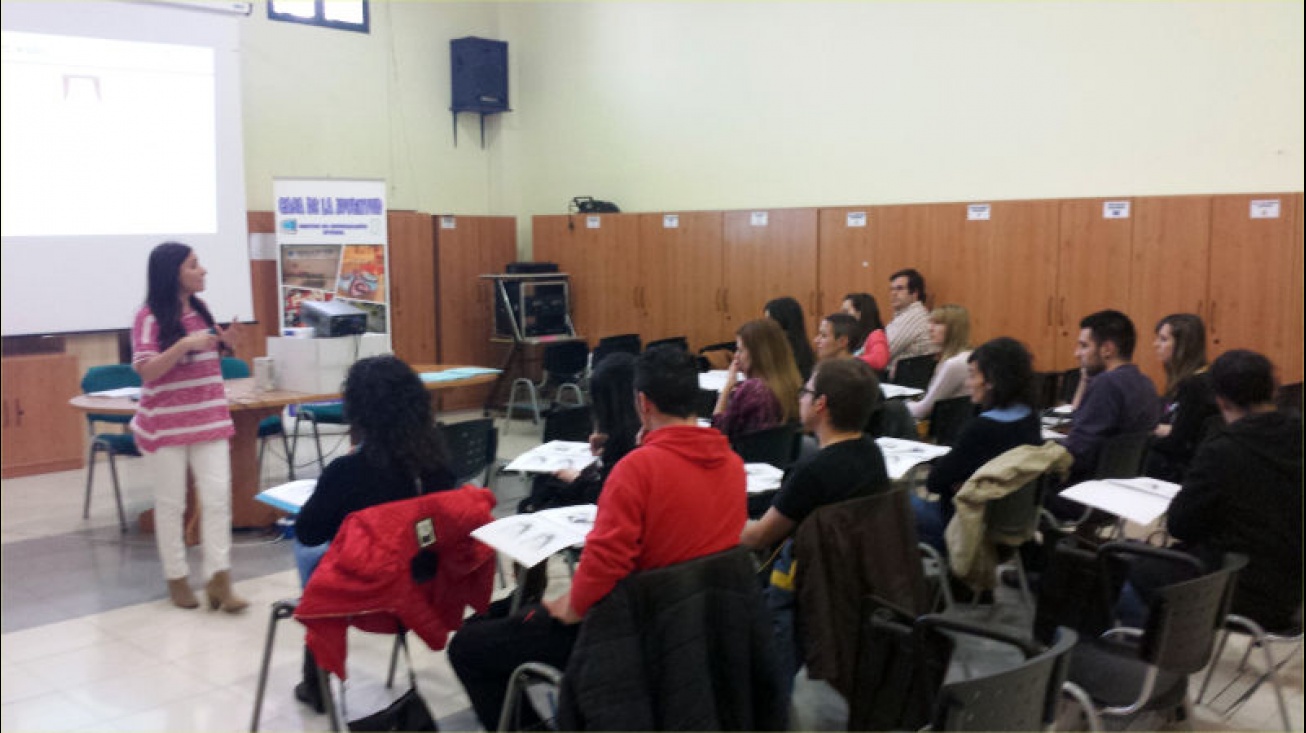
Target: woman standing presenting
(183,421)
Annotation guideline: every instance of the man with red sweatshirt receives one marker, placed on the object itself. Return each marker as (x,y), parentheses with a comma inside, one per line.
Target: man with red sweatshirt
(680,495)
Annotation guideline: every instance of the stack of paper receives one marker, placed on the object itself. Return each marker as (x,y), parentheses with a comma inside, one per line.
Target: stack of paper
(1140,500)
(132,392)
(901,456)
(892,391)
(714,381)
(289,497)
(762,477)
(529,539)
(450,375)
(554,455)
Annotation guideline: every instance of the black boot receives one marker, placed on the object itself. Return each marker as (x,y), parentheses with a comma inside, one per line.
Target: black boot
(309,691)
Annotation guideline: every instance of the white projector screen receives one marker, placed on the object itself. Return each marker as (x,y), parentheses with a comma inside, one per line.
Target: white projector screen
(121,129)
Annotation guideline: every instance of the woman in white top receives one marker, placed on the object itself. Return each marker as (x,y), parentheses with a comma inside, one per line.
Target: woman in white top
(950,331)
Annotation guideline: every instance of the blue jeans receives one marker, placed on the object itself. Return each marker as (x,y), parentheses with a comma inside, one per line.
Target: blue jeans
(306,559)
(930,522)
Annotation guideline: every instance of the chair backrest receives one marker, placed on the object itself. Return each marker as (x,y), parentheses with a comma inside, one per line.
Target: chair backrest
(716,356)
(1045,390)
(679,342)
(1067,384)
(776,446)
(565,361)
(109,376)
(1289,398)
(706,403)
(1012,518)
(627,343)
(915,371)
(473,446)
(568,423)
(1122,456)
(1019,698)
(233,368)
(892,419)
(948,417)
(1183,618)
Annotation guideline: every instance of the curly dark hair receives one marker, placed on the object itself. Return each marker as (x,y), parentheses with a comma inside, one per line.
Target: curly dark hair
(389,410)
(1008,368)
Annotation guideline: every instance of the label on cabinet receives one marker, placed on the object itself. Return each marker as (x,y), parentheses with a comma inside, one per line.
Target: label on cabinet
(1115,209)
(448,222)
(856,218)
(1265,209)
(979,212)
(593,222)
(671,221)
(758,218)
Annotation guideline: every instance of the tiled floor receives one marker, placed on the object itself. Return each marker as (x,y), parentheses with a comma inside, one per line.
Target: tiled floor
(90,643)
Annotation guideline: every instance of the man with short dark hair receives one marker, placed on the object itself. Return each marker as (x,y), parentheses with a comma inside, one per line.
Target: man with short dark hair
(835,336)
(909,331)
(1117,397)
(680,495)
(835,404)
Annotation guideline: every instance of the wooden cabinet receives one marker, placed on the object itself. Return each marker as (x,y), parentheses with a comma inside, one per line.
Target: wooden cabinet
(681,257)
(467,247)
(1092,271)
(412,297)
(41,431)
(768,254)
(600,253)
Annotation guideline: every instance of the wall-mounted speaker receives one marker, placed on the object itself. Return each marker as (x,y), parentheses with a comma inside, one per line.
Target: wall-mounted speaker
(480,75)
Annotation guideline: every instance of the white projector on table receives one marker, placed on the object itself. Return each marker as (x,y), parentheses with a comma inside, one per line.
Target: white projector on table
(333,318)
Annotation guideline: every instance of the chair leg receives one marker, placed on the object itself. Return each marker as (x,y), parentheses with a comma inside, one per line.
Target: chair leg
(1025,596)
(1215,658)
(328,700)
(280,610)
(317,440)
(262,447)
(90,479)
(117,493)
(290,455)
(1272,671)
(394,660)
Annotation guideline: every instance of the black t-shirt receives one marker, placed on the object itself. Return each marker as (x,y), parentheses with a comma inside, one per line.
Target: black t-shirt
(350,483)
(845,470)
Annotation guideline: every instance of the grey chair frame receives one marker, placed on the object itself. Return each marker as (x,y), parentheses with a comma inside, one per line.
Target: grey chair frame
(1262,639)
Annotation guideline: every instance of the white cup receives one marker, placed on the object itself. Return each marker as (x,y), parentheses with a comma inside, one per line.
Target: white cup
(265,373)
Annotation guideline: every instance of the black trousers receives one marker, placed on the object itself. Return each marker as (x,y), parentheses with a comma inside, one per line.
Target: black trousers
(488,648)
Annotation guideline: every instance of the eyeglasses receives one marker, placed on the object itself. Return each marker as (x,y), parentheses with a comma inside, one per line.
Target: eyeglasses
(805,391)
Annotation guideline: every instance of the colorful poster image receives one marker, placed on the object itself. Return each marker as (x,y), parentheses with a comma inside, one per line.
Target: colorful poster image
(291,300)
(310,265)
(362,273)
(376,315)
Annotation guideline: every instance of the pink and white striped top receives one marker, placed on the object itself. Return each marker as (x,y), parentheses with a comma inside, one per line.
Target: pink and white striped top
(188,404)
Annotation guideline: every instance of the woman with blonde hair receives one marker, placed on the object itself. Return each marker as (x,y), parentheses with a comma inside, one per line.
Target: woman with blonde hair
(768,394)
(1188,401)
(950,332)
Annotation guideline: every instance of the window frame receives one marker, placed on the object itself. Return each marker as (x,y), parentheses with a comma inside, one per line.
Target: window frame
(320,20)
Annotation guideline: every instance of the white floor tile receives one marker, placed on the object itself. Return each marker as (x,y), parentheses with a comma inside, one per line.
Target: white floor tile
(139,690)
(55,711)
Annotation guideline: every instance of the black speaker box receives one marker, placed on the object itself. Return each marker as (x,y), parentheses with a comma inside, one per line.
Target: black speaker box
(480,75)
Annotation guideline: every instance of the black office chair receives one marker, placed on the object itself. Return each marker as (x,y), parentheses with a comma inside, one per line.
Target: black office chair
(112,444)
(1045,390)
(473,448)
(565,367)
(892,419)
(233,368)
(706,403)
(1289,398)
(777,446)
(1066,386)
(948,417)
(679,342)
(1121,456)
(915,371)
(716,356)
(1011,521)
(628,343)
(573,422)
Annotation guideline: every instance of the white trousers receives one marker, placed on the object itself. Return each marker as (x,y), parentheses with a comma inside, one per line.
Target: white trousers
(211,464)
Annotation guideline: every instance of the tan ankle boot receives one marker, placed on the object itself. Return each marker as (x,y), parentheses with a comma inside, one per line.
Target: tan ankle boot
(222,596)
(180,593)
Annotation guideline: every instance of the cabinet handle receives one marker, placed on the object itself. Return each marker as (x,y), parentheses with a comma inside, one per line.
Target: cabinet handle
(6,411)
(1061,313)
(18,413)
(725,300)
(1214,330)
(811,297)
(1050,299)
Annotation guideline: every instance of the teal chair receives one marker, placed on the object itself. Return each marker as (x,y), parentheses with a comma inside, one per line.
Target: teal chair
(112,444)
(233,368)
(319,413)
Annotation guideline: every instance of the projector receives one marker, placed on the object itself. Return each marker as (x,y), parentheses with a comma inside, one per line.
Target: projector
(332,318)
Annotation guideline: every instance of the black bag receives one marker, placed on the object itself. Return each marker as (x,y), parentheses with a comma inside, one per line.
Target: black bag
(591,205)
(408,712)
(899,670)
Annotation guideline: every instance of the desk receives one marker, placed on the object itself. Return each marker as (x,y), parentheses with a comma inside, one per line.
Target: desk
(249,406)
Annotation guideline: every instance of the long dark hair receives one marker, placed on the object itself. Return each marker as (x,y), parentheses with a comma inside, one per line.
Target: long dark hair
(868,314)
(612,389)
(163,293)
(389,409)
(1189,355)
(789,314)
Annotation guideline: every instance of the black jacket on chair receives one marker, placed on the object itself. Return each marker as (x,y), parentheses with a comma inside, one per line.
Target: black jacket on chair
(686,647)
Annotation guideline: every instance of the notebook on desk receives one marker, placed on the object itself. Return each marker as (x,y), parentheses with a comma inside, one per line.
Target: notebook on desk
(289,497)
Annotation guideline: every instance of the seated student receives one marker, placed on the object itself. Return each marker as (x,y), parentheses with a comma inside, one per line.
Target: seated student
(768,395)
(789,314)
(678,496)
(835,337)
(950,331)
(399,455)
(1000,377)
(835,404)
(874,345)
(1188,405)
(1242,493)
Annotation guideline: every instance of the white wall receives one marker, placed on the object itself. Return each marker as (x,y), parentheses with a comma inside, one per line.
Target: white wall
(707,105)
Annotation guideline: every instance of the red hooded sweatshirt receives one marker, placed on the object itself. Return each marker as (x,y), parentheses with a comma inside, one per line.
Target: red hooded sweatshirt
(679,496)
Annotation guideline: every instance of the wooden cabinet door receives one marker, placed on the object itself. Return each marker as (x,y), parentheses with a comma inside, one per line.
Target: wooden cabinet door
(600,253)
(848,259)
(680,265)
(40,431)
(1252,274)
(553,240)
(1290,370)
(905,237)
(1170,255)
(768,254)
(1023,267)
(412,297)
(1093,271)
(963,270)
